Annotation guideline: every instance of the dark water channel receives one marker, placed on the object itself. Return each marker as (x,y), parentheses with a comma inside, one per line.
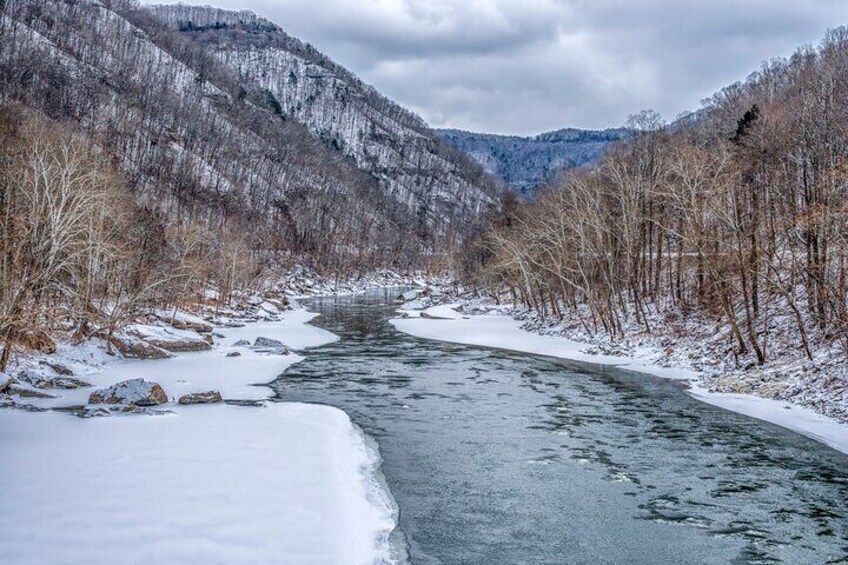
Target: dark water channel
(501,458)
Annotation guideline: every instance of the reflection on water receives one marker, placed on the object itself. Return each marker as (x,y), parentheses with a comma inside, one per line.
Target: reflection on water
(497,457)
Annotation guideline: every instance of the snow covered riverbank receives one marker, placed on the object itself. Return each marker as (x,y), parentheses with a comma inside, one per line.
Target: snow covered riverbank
(445,323)
(278,483)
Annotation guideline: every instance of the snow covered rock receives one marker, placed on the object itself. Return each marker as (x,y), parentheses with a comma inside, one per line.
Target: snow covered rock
(268,342)
(136,391)
(58,368)
(208,397)
(5,384)
(409,295)
(233,354)
(41,381)
(170,339)
(185,321)
(241,343)
(135,348)
(24,390)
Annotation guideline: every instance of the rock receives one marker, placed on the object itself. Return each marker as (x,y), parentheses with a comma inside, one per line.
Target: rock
(60,369)
(208,397)
(66,383)
(218,335)
(267,342)
(178,341)
(272,345)
(26,391)
(40,381)
(138,349)
(408,295)
(279,304)
(233,354)
(432,317)
(135,391)
(4,386)
(93,412)
(241,343)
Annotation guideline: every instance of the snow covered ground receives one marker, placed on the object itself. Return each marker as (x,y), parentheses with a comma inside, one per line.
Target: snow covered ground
(281,483)
(445,323)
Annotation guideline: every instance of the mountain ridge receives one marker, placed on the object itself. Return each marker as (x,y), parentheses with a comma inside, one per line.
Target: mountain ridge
(527,162)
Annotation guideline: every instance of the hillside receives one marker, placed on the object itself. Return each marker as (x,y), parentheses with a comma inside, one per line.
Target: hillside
(198,139)
(440,186)
(527,162)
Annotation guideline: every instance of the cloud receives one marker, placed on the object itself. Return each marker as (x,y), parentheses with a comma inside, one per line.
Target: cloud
(526,66)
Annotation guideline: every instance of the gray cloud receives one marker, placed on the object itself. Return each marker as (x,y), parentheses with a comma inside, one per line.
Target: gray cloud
(526,66)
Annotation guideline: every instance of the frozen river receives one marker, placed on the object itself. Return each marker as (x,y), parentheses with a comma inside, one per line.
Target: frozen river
(507,458)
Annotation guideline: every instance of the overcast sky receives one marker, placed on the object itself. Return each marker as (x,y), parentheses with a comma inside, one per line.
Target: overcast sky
(528,66)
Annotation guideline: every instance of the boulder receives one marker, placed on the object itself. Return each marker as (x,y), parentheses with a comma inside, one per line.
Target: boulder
(66,383)
(178,341)
(432,317)
(135,391)
(409,295)
(26,391)
(267,342)
(233,354)
(241,343)
(208,397)
(137,349)
(40,381)
(58,368)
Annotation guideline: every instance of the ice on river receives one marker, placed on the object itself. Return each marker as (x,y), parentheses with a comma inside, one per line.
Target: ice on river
(503,332)
(285,483)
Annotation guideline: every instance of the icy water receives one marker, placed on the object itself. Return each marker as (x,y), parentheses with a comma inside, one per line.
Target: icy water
(501,458)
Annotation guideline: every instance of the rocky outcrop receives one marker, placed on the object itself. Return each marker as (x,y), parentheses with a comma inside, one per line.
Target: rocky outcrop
(136,392)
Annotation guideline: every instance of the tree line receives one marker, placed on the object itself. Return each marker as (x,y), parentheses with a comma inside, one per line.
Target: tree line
(737,213)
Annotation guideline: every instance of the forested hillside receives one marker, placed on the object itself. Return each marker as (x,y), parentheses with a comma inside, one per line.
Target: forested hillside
(440,186)
(142,167)
(524,163)
(728,230)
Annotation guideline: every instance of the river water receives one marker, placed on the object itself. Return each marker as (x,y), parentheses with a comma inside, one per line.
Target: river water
(502,458)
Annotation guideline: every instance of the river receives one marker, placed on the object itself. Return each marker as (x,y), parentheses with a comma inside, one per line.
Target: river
(502,458)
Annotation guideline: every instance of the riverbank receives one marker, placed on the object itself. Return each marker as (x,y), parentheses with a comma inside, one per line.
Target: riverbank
(223,483)
(495,327)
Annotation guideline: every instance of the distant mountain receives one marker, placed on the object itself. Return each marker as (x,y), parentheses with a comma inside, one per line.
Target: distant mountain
(524,163)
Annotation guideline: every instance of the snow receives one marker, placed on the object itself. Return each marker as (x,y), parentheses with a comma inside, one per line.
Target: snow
(504,332)
(288,483)
(281,483)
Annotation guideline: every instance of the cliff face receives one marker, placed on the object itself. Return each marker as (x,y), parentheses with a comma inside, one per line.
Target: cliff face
(440,186)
